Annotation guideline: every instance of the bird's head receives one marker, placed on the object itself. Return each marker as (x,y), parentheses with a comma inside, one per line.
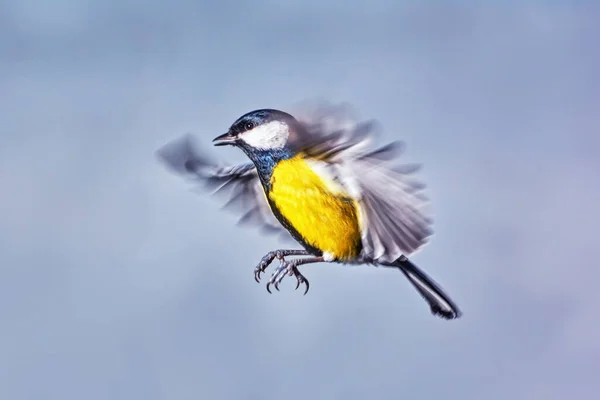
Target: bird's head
(260,130)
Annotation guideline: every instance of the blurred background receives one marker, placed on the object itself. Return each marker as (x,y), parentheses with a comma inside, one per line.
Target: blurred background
(119,282)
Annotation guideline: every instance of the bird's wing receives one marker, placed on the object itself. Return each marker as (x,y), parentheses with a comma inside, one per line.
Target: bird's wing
(393,208)
(394,215)
(240,183)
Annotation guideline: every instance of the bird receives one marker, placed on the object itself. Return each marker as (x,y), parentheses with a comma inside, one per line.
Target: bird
(318,180)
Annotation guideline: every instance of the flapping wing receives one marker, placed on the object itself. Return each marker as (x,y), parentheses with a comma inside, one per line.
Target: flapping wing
(239,183)
(393,207)
(393,216)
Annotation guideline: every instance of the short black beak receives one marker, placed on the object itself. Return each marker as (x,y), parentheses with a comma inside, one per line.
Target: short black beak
(225,139)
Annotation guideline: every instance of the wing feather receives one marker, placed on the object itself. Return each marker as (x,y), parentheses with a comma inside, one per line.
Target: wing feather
(393,206)
(394,215)
(240,183)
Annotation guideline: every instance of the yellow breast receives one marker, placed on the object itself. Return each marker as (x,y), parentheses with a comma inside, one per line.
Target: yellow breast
(325,218)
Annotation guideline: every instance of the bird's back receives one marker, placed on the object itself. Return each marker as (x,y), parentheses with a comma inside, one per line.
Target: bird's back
(315,210)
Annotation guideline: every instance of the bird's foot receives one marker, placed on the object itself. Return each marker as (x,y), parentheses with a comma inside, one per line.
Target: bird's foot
(265,262)
(287,268)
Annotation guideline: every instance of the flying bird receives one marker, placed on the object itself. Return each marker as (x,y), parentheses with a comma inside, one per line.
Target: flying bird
(317,180)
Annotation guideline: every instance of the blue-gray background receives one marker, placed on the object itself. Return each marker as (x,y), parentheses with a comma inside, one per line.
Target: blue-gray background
(118,282)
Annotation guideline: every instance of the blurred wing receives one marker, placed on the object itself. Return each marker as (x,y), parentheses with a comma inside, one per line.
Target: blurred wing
(240,183)
(330,131)
(393,218)
(394,221)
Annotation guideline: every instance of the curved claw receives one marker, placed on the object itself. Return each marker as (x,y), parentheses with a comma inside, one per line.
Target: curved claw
(307,287)
(274,278)
(276,282)
(301,279)
(264,263)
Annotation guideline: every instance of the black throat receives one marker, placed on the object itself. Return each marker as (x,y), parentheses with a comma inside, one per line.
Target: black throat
(265,161)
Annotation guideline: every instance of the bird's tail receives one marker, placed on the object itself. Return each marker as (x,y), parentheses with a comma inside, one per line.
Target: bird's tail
(439,302)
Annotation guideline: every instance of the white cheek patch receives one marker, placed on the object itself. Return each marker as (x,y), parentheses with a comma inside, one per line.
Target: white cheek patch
(272,135)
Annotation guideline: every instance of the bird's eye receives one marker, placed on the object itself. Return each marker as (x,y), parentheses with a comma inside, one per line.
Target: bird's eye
(249,125)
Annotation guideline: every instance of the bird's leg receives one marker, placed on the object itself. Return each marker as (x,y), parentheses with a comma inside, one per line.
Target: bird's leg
(291,268)
(270,256)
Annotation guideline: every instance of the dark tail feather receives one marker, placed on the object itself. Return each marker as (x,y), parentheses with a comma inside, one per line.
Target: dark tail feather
(440,302)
